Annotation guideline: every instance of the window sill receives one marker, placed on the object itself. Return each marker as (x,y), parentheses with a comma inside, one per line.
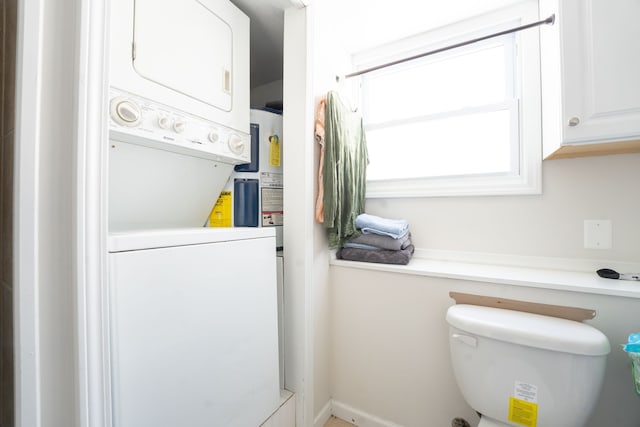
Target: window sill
(535,272)
(529,183)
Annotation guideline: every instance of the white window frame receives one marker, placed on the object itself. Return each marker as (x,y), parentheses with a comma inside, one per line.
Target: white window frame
(527,179)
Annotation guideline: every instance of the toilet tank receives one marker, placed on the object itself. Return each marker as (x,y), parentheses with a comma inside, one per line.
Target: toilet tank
(526,369)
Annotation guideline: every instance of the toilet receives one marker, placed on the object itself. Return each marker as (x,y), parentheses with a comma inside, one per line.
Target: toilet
(523,369)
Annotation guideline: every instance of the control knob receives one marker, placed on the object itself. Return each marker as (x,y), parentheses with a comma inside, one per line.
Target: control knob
(125,112)
(236,144)
(163,121)
(214,136)
(179,126)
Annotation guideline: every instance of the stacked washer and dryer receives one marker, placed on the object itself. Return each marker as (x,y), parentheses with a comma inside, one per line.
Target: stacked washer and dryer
(193,332)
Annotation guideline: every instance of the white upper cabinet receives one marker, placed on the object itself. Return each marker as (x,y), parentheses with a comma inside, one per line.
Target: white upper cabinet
(590,77)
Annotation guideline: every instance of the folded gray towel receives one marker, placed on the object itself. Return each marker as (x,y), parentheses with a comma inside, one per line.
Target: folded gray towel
(349,244)
(381,242)
(383,256)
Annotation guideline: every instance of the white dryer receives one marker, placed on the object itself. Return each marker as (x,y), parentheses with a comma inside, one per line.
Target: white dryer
(190,55)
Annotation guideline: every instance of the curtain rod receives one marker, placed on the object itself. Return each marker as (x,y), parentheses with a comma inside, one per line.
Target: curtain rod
(550,20)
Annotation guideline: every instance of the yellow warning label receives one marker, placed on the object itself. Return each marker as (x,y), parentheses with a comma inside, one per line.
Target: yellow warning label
(274,150)
(523,412)
(220,215)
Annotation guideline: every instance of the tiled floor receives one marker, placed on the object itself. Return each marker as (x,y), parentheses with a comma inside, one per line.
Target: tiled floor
(337,422)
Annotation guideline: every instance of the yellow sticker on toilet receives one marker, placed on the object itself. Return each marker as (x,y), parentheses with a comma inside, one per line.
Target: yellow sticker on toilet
(523,412)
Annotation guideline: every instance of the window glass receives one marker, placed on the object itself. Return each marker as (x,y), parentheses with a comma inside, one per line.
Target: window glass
(434,85)
(478,143)
(464,121)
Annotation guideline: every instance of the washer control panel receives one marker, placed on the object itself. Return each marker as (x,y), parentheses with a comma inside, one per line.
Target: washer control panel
(140,121)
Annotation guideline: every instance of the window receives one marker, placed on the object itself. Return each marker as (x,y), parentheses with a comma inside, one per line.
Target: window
(461,122)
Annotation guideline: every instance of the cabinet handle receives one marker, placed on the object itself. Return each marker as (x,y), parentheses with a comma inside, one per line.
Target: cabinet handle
(574,121)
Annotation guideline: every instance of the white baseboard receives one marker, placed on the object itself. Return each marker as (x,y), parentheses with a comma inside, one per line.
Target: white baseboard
(324,415)
(357,417)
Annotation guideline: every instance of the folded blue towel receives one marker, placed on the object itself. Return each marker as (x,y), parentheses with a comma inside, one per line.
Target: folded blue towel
(395,228)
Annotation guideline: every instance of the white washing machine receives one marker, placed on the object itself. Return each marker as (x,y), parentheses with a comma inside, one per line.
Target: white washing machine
(193,310)
(193,318)
(194,327)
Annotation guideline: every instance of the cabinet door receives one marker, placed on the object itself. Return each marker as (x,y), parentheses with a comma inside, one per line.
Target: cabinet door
(194,335)
(600,54)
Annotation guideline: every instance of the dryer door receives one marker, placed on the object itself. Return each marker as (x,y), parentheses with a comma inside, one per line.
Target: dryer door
(184,46)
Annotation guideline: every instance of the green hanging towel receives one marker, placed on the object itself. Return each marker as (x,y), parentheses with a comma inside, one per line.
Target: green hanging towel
(345,169)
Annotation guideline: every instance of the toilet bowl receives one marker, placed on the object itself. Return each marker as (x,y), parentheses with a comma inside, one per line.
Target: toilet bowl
(524,369)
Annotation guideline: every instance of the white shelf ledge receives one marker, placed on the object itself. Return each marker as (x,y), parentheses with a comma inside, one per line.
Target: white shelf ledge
(536,272)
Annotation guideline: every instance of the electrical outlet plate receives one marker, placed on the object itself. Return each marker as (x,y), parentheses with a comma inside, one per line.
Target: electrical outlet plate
(597,234)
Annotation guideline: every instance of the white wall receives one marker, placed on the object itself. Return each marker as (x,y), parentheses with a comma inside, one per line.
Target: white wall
(388,330)
(299,236)
(388,349)
(550,224)
(390,354)
(326,61)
